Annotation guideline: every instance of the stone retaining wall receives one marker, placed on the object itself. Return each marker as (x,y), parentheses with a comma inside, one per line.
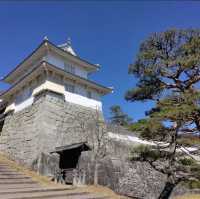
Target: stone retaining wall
(135,180)
(50,122)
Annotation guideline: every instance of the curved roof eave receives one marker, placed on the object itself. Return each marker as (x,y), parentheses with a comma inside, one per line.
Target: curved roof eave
(87,81)
(104,89)
(6,78)
(96,67)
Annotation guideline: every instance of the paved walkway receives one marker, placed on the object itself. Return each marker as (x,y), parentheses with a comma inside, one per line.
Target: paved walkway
(15,185)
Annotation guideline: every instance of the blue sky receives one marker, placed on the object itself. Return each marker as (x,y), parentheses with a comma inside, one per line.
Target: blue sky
(107,32)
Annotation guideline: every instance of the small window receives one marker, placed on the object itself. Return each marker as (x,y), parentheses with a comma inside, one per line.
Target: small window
(19,98)
(89,94)
(70,88)
(27,93)
(23,95)
(69,68)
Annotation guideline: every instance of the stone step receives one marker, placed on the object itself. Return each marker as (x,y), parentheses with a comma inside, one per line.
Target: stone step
(32,190)
(62,197)
(17,182)
(7,171)
(4,165)
(45,195)
(13,177)
(5,168)
(91,197)
(11,174)
(11,171)
(18,186)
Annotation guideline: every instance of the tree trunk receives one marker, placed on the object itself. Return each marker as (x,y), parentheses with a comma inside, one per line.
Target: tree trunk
(167,190)
(171,181)
(96,173)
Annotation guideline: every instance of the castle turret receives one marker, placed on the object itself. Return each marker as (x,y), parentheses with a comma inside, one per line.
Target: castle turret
(49,99)
(56,68)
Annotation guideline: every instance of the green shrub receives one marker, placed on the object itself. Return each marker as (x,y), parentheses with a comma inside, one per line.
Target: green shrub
(144,152)
(193,184)
(189,141)
(187,161)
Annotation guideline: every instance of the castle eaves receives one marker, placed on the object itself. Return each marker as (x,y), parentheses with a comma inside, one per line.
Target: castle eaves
(42,50)
(45,66)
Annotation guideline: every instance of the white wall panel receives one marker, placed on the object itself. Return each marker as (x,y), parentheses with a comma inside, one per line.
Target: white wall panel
(24,104)
(52,59)
(83,101)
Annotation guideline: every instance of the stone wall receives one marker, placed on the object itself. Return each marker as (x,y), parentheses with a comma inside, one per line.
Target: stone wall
(20,134)
(30,135)
(135,180)
(50,122)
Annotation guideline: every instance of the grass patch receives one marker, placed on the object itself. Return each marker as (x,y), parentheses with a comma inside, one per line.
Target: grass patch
(104,191)
(192,184)
(193,196)
(189,141)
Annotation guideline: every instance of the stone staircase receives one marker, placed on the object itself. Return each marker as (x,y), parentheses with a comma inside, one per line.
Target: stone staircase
(16,185)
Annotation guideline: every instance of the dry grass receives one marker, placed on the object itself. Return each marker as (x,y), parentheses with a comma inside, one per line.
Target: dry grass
(195,196)
(103,190)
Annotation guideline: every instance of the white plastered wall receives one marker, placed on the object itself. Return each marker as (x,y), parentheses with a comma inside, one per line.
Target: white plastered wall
(78,97)
(60,62)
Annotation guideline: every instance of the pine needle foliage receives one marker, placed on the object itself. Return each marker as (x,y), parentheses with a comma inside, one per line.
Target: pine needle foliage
(168,71)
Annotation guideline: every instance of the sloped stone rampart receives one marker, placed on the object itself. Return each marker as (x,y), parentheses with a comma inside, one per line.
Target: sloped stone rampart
(50,122)
(135,180)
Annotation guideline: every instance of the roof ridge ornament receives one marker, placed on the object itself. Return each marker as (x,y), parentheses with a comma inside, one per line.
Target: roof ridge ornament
(45,38)
(69,41)
(68,47)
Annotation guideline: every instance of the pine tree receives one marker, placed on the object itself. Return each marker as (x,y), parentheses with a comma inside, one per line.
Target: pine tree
(118,117)
(168,72)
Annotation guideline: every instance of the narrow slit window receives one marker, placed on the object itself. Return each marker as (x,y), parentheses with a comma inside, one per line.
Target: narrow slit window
(70,88)
(89,94)
(69,68)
